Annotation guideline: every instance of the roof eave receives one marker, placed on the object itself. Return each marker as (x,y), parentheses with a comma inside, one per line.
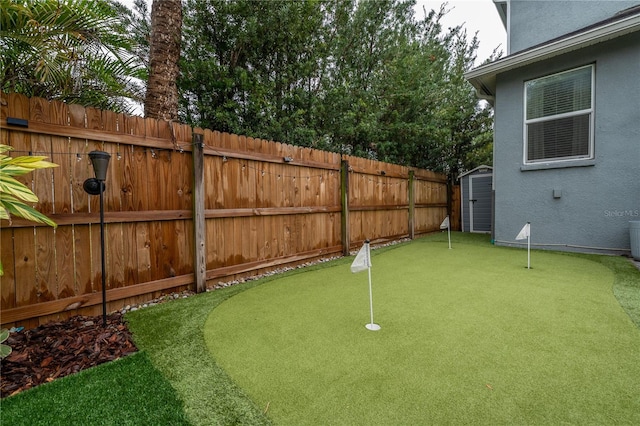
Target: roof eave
(501,6)
(483,78)
(485,167)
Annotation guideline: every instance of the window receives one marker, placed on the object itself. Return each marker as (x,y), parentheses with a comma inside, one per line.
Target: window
(559,117)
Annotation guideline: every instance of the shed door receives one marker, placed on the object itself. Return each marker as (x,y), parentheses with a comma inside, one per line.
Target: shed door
(480,203)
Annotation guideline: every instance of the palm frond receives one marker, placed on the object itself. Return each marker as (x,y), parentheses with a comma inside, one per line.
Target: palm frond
(10,186)
(62,50)
(24,211)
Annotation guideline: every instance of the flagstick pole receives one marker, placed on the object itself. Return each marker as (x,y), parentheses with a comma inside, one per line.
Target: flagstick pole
(370,296)
(449,232)
(529,251)
(371,326)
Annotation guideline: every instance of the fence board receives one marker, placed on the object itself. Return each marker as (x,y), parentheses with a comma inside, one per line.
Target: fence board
(41,146)
(267,245)
(81,167)
(185,246)
(7,281)
(114,253)
(254,242)
(129,193)
(184,170)
(46,282)
(128,176)
(243,229)
(129,255)
(112,195)
(228,241)
(155,251)
(25,267)
(143,245)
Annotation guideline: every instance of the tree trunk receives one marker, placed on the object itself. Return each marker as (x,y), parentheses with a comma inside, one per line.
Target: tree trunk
(164,53)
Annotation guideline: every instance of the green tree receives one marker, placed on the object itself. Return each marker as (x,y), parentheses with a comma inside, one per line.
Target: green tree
(459,125)
(76,51)
(365,78)
(402,97)
(251,67)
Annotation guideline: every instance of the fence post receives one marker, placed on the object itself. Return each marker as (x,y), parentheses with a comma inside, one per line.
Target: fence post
(412,204)
(344,198)
(199,233)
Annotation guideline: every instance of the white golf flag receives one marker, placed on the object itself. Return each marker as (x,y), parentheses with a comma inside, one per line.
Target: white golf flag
(524,232)
(362,261)
(445,223)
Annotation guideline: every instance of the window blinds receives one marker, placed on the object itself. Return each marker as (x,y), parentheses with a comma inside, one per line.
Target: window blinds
(558,116)
(559,94)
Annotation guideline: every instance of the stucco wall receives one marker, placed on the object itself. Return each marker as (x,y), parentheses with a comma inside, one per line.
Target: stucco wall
(534,22)
(597,200)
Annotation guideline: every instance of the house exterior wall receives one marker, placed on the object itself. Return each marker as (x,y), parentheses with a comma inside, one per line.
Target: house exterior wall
(558,17)
(597,200)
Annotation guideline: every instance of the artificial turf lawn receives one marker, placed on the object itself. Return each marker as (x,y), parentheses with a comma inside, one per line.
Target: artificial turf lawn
(468,335)
(173,336)
(175,380)
(129,391)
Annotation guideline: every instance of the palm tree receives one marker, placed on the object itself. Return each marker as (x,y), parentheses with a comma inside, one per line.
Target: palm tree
(75,51)
(164,53)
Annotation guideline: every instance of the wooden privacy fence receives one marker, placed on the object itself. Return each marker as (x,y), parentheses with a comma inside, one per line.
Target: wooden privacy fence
(186,208)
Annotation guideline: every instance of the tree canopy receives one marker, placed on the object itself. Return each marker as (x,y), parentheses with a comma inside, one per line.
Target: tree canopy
(366,78)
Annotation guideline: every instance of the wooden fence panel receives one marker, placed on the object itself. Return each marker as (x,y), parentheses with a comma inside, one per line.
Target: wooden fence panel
(378,201)
(431,203)
(267,204)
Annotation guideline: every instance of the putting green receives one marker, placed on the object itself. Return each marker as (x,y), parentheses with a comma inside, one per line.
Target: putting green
(468,335)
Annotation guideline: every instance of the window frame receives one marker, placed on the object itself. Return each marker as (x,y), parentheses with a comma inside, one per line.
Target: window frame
(591,126)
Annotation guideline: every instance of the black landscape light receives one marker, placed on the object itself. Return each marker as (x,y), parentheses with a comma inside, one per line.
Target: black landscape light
(95,186)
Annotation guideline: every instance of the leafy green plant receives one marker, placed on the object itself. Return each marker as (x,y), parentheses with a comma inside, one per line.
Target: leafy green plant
(5,350)
(76,51)
(14,195)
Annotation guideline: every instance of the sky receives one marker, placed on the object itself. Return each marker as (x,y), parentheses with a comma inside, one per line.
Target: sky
(476,15)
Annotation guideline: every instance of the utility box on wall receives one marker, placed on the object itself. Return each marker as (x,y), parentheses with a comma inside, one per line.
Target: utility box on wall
(476,207)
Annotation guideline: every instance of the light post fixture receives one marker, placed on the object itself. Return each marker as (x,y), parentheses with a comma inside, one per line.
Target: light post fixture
(95,186)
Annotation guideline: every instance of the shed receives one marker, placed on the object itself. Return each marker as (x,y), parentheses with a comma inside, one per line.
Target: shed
(476,207)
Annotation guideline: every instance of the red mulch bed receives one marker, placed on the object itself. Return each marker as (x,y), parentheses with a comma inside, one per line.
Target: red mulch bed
(58,349)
